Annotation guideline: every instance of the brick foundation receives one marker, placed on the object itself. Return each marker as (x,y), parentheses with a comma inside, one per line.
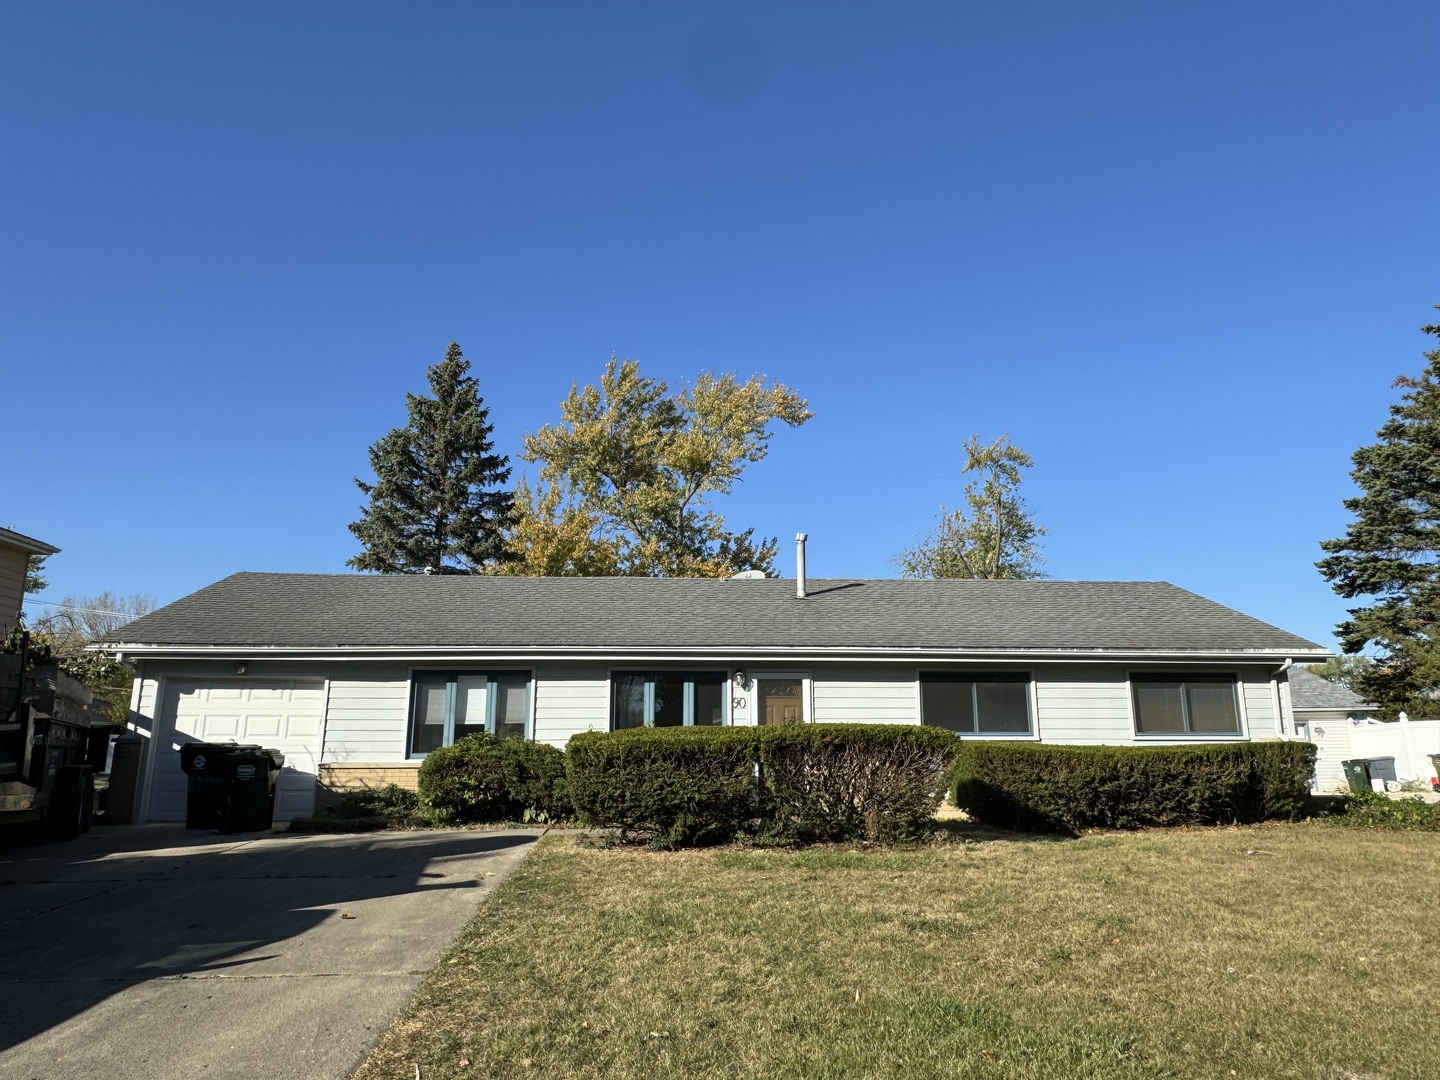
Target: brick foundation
(334,780)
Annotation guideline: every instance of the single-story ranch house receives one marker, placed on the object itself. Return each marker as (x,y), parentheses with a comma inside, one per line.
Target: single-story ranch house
(356,677)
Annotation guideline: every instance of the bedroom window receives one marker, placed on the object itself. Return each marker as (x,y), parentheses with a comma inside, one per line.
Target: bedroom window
(447,705)
(1185,704)
(968,704)
(667,699)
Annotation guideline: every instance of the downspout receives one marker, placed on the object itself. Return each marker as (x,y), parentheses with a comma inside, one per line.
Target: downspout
(1280,692)
(800,539)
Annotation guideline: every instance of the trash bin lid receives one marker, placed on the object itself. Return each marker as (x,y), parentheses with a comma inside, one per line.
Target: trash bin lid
(201,757)
(273,758)
(219,747)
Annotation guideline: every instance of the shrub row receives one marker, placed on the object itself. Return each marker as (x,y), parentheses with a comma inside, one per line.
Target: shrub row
(1371,810)
(481,778)
(835,782)
(682,786)
(1066,789)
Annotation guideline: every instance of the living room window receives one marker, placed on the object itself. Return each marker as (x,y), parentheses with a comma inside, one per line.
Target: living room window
(976,704)
(1185,704)
(667,699)
(448,705)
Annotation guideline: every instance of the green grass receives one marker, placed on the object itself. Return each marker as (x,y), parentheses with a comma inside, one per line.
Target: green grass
(1156,954)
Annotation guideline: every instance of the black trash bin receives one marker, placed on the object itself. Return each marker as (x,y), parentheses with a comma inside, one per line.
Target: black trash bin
(207,801)
(253,773)
(232,786)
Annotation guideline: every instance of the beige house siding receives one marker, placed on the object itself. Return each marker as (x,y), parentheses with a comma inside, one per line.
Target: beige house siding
(13,562)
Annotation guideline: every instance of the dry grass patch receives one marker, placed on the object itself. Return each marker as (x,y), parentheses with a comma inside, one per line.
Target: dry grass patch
(1159,954)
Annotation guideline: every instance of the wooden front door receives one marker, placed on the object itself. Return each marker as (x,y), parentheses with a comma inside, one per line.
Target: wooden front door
(780,701)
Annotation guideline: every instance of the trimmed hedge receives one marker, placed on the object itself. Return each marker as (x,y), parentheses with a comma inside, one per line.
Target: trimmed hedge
(482,778)
(679,786)
(683,786)
(849,781)
(1066,789)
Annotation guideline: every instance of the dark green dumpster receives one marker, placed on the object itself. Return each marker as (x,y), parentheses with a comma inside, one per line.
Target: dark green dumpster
(232,786)
(1357,773)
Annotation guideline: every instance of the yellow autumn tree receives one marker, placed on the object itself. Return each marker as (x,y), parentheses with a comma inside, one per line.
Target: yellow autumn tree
(627,475)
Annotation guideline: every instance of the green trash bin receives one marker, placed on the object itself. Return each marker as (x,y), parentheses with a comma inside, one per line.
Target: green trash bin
(1357,774)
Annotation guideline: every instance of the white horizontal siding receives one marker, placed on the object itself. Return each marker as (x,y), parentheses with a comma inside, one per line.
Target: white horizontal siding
(569,701)
(1330,732)
(367,716)
(143,695)
(865,697)
(1083,707)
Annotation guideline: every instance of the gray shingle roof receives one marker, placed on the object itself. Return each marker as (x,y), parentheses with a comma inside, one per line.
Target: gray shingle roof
(358,610)
(1310,691)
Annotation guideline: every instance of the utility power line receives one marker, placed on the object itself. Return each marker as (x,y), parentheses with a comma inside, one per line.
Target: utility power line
(87,610)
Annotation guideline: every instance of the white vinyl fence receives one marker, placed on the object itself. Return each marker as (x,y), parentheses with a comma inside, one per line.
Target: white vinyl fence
(1407,744)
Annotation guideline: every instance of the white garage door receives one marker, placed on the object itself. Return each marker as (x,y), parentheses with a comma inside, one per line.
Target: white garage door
(279,713)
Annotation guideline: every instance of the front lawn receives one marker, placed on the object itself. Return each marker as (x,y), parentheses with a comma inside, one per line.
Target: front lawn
(1157,954)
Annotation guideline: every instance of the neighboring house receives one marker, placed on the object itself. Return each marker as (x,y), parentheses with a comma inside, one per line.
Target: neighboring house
(1343,727)
(356,677)
(1325,712)
(15,552)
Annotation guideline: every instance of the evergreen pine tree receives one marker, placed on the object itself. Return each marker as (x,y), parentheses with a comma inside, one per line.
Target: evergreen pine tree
(1391,552)
(436,506)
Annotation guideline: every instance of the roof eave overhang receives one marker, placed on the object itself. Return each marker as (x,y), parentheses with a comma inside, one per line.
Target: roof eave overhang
(27,544)
(711,653)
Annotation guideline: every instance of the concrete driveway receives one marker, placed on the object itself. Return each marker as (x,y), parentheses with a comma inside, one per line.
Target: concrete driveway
(152,951)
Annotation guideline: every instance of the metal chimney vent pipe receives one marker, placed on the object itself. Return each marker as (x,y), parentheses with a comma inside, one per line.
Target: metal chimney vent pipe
(800,539)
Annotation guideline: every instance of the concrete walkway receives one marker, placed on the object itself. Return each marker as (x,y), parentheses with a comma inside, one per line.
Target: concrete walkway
(156,952)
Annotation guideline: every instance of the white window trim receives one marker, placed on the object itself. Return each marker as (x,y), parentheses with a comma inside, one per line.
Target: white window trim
(1032,700)
(1187,736)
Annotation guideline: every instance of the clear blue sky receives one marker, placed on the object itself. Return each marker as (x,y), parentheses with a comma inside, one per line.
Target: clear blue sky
(1178,254)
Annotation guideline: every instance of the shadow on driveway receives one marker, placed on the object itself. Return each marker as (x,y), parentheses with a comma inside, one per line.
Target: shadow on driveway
(131,905)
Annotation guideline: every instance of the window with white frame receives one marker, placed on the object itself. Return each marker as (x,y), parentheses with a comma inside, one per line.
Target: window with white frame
(1185,704)
(667,699)
(976,704)
(447,705)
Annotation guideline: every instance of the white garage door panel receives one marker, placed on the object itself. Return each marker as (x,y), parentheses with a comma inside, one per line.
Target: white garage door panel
(284,714)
